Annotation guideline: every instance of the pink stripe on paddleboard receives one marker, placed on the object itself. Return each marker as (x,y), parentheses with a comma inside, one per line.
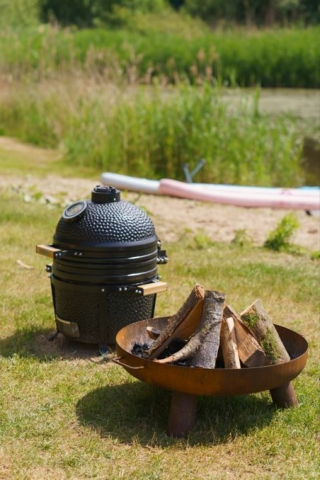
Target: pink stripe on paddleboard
(245,199)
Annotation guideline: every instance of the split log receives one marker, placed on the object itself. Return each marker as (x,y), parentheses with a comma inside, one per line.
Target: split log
(228,342)
(206,355)
(203,345)
(190,323)
(250,352)
(259,323)
(186,319)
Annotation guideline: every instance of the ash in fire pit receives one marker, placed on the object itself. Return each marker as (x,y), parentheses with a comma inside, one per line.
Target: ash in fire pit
(141,350)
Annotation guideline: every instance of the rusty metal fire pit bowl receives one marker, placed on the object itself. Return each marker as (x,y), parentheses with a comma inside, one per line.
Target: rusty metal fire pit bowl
(188,383)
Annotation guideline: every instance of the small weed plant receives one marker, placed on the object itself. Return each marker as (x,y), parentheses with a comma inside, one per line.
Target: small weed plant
(315,255)
(242,238)
(280,238)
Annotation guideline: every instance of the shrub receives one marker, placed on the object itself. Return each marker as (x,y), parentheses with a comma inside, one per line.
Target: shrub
(87,13)
(19,13)
(280,238)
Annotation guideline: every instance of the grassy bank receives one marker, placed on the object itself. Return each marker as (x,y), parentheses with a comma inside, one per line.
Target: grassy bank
(65,412)
(269,58)
(152,132)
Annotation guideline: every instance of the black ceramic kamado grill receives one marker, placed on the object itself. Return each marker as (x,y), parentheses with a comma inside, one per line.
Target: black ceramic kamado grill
(105,253)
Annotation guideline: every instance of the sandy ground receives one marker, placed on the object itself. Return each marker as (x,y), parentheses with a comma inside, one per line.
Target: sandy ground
(172,217)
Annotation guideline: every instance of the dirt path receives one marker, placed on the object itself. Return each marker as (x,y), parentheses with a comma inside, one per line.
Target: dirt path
(172,217)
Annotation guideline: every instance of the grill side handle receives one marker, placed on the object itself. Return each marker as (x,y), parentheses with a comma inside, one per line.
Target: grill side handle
(125,365)
(47,250)
(151,288)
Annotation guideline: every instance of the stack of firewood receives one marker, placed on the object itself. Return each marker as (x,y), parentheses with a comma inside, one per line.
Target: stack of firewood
(208,328)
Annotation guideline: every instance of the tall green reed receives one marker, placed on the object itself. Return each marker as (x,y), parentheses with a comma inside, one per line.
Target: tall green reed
(272,58)
(153,132)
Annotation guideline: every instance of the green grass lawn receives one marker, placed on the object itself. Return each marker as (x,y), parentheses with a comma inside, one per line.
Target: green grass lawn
(68,413)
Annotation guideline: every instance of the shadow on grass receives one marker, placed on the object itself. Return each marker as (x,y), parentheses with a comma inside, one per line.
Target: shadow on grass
(45,345)
(138,413)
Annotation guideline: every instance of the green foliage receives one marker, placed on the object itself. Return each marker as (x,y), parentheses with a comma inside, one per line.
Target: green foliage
(72,12)
(129,13)
(215,10)
(276,58)
(257,12)
(280,238)
(201,241)
(242,238)
(87,13)
(19,13)
(315,255)
(116,13)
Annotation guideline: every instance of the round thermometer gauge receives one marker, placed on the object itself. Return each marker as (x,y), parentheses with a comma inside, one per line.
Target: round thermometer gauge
(74,211)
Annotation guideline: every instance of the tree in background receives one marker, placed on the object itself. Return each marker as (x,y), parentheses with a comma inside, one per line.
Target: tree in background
(122,13)
(255,12)
(310,10)
(88,13)
(71,12)
(16,13)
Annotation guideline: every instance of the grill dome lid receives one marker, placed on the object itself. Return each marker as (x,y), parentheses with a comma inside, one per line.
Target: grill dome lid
(105,221)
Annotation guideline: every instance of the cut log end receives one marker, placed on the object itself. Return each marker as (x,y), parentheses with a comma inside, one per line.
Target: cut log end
(261,326)
(229,345)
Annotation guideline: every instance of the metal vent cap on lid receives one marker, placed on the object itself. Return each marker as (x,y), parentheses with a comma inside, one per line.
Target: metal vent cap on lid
(105,221)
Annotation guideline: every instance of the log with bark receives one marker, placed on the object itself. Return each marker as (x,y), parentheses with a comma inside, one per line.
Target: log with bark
(249,350)
(182,324)
(209,327)
(206,354)
(260,325)
(202,347)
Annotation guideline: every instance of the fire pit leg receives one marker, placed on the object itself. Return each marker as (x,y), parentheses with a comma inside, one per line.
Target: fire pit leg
(182,414)
(284,396)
